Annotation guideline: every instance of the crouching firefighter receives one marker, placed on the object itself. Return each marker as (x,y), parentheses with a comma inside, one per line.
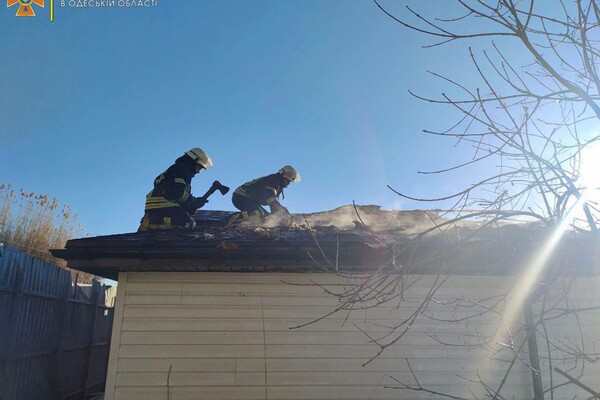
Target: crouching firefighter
(251,196)
(170,204)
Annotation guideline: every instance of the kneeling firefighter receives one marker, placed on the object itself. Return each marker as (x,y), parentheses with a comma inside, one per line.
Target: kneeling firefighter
(251,196)
(171,204)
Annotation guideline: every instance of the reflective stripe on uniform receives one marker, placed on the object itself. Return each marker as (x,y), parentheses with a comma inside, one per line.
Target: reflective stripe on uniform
(154,203)
(242,192)
(271,199)
(186,190)
(185,195)
(167,224)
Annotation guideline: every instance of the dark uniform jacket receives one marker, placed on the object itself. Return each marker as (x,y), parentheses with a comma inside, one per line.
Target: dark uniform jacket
(173,188)
(263,190)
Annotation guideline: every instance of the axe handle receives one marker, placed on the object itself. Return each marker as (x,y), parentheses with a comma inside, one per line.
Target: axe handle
(209,192)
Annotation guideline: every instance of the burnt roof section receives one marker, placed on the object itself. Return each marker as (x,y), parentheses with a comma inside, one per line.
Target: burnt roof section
(353,239)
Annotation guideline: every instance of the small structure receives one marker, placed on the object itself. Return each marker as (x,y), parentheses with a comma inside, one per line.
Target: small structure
(248,312)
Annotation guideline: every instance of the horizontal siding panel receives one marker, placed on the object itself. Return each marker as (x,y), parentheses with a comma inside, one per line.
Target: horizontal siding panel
(191,365)
(191,312)
(368,351)
(145,298)
(383,378)
(190,393)
(474,293)
(191,351)
(149,298)
(300,393)
(381,393)
(192,338)
(373,325)
(214,331)
(449,302)
(358,338)
(183,324)
(285,325)
(190,379)
(283,338)
(228,277)
(152,287)
(375,313)
(310,278)
(387,365)
(296,351)
(373,379)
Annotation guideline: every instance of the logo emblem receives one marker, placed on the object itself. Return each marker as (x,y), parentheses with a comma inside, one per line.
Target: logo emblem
(25,6)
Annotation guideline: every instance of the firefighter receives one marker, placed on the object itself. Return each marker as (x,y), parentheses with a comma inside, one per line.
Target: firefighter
(170,204)
(251,196)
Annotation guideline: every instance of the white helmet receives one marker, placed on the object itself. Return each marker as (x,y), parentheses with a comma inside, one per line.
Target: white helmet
(200,157)
(290,173)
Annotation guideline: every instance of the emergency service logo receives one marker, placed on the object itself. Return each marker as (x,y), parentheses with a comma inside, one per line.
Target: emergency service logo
(25,6)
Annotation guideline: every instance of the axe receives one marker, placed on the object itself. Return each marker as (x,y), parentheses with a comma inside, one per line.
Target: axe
(213,188)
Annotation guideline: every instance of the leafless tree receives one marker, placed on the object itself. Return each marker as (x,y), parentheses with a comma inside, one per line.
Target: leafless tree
(530,122)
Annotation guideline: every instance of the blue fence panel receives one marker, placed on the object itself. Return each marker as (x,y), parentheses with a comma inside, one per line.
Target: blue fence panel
(54,339)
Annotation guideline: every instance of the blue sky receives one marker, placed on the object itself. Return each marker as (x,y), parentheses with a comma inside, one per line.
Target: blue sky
(96,104)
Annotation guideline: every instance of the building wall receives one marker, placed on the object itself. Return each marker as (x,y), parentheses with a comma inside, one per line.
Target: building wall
(230,336)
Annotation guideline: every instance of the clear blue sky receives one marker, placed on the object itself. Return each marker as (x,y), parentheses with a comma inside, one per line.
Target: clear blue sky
(96,104)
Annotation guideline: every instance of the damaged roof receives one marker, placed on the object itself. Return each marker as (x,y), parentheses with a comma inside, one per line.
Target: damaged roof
(348,238)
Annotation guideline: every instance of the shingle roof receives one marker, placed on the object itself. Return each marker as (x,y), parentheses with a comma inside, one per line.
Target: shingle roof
(326,241)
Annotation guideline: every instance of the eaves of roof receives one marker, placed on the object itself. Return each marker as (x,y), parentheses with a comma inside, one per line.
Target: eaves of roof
(212,248)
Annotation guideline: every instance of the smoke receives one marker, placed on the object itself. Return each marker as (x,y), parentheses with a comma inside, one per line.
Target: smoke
(349,217)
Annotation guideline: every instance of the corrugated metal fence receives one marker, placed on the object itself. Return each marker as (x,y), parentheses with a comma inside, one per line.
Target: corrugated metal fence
(54,337)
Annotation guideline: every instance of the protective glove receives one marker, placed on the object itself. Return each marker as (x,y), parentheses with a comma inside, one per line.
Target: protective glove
(199,202)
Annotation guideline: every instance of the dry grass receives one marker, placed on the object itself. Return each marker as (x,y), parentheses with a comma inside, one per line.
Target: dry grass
(35,223)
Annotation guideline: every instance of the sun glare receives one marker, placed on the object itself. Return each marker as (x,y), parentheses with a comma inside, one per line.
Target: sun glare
(589,170)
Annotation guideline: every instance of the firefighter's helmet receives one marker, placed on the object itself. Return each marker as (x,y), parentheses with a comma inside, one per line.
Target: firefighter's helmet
(290,173)
(200,157)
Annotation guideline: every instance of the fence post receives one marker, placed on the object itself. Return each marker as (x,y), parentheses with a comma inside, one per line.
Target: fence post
(16,313)
(88,354)
(62,332)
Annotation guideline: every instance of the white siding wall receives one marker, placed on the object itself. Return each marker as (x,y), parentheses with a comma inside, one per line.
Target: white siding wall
(228,336)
